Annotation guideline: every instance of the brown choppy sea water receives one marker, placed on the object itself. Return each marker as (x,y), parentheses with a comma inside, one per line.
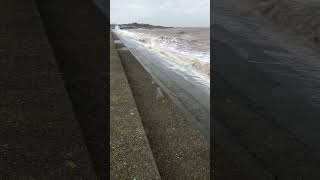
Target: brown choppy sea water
(186,46)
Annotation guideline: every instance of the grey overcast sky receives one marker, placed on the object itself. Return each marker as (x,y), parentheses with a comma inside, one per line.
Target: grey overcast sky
(181,13)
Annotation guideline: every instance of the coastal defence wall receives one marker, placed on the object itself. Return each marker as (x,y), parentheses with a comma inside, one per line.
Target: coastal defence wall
(180,151)
(77,31)
(40,136)
(130,152)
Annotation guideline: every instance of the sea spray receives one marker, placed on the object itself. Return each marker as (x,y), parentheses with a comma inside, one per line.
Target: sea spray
(184,46)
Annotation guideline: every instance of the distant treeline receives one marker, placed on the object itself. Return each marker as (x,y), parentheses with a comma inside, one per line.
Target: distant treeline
(136,25)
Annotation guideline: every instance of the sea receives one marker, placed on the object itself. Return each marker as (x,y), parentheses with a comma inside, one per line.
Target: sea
(187,47)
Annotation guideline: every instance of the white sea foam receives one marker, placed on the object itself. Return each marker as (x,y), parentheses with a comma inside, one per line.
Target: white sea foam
(184,46)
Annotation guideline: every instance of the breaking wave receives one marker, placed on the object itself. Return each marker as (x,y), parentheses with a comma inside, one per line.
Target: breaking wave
(181,46)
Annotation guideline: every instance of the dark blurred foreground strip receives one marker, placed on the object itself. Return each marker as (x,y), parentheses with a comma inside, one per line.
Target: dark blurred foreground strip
(50,116)
(77,31)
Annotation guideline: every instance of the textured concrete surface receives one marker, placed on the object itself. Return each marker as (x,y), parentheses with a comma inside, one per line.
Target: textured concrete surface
(77,31)
(39,135)
(180,151)
(131,156)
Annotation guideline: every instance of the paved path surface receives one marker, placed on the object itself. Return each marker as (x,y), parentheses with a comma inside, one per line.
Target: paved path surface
(39,135)
(131,155)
